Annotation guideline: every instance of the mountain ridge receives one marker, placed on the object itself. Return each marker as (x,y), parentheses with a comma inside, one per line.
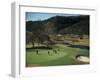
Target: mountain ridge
(60,24)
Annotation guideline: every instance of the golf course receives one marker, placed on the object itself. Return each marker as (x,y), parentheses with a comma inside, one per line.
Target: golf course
(58,54)
(57,40)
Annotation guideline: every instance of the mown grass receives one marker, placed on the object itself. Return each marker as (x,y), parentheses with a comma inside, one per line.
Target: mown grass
(64,56)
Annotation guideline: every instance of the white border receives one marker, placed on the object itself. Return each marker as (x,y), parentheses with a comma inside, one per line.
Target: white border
(18,63)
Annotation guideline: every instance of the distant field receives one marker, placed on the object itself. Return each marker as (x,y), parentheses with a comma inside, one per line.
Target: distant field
(64,56)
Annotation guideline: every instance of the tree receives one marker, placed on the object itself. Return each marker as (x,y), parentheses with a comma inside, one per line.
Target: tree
(30,38)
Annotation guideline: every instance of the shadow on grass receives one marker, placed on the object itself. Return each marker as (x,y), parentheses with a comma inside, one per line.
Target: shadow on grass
(66,43)
(79,46)
(40,47)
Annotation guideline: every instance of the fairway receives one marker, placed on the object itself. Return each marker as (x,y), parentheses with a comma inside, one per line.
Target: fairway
(63,56)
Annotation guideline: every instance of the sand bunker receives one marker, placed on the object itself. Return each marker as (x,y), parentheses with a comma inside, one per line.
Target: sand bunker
(83,59)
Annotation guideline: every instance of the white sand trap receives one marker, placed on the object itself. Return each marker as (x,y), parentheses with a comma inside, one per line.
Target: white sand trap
(83,59)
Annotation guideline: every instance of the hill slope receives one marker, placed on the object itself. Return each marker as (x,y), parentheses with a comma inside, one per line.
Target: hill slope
(60,24)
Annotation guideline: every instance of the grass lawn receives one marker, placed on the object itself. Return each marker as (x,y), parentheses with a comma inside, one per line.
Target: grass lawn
(63,56)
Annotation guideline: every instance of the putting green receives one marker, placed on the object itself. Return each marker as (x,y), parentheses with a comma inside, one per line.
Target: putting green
(63,56)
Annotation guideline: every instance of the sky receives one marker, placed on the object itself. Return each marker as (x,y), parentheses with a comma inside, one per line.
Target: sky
(32,16)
